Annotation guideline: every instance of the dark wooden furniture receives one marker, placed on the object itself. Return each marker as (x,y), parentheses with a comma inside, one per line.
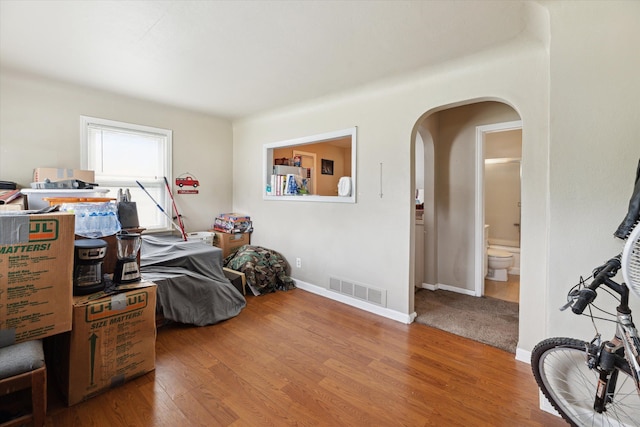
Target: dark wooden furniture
(22,367)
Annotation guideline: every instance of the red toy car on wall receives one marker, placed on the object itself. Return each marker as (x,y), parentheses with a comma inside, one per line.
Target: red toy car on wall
(188,181)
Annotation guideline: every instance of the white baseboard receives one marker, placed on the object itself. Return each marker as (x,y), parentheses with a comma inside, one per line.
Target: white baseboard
(362,305)
(448,288)
(523,355)
(546,406)
(429,286)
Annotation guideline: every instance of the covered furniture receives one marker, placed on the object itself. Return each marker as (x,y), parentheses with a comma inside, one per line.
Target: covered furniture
(22,367)
(192,286)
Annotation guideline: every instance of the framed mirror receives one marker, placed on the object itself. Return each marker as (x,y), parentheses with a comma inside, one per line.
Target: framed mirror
(317,168)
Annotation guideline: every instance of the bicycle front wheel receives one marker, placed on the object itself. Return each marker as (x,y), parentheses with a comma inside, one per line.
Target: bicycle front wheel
(560,368)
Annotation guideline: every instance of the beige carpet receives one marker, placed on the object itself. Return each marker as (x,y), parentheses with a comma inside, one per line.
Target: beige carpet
(488,320)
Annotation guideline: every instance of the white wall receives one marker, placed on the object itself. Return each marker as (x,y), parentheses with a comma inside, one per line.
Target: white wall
(502,198)
(502,187)
(370,242)
(595,142)
(419,156)
(40,127)
(426,130)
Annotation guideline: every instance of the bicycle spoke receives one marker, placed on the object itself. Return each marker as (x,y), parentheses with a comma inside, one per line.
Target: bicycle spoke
(563,375)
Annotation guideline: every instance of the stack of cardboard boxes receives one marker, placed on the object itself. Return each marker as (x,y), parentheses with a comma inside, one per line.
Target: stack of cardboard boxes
(98,341)
(232,230)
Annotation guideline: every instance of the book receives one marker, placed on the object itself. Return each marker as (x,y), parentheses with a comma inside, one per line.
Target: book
(7,196)
(291,186)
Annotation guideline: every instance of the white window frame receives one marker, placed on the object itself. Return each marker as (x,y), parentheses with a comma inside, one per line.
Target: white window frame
(299,143)
(167,135)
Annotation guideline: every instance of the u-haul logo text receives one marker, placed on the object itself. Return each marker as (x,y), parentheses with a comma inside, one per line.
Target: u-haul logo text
(43,229)
(105,309)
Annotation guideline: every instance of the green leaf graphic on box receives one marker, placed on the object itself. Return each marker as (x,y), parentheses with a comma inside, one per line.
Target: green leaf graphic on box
(93,338)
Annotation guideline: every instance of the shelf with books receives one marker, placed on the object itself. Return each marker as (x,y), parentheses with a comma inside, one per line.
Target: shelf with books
(283,161)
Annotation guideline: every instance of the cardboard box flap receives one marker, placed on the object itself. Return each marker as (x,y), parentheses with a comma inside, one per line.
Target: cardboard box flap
(119,290)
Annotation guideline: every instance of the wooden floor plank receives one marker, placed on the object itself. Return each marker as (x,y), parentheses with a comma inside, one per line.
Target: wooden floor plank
(295,358)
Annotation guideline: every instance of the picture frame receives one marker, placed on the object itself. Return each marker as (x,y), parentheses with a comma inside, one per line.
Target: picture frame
(327,167)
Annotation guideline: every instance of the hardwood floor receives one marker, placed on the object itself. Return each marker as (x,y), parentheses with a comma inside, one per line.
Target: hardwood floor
(294,358)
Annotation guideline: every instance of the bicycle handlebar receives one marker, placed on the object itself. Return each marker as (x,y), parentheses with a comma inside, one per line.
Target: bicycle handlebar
(586,297)
(588,294)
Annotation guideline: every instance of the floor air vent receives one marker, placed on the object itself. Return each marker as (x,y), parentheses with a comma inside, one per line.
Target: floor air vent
(334,284)
(359,291)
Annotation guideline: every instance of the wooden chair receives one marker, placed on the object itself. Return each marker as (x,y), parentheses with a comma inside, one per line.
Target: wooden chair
(22,367)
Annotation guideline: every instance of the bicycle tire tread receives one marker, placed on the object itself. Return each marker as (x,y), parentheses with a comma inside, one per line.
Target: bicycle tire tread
(536,354)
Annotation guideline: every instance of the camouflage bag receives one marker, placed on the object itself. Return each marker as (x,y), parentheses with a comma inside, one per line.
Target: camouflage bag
(264,269)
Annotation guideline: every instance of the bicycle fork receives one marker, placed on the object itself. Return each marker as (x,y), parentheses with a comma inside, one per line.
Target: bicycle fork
(607,360)
(608,376)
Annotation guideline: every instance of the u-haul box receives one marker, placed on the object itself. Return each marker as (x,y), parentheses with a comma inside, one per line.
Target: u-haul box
(112,341)
(36,275)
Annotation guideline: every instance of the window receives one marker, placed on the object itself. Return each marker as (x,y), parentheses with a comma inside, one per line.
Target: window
(323,167)
(123,153)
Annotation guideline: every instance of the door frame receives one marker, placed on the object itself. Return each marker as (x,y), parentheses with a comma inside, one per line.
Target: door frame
(314,181)
(479,250)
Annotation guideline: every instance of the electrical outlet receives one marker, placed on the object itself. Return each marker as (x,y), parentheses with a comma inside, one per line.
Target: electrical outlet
(298,263)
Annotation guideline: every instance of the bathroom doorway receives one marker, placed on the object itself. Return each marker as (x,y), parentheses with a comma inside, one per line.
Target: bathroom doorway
(498,208)
(453,212)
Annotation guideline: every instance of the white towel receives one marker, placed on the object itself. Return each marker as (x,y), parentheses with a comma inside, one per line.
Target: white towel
(344,186)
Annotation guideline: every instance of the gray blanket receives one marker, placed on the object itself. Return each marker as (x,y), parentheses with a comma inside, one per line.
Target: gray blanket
(192,287)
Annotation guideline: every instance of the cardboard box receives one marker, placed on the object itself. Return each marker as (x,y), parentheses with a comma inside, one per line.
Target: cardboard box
(232,223)
(17,204)
(36,282)
(113,340)
(230,243)
(6,196)
(61,174)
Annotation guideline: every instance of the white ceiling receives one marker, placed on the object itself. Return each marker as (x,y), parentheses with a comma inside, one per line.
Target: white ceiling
(236,58)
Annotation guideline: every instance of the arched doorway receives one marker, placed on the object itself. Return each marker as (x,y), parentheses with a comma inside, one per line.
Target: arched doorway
(453,249)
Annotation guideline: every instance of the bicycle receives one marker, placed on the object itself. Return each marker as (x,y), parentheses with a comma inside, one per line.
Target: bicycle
(597,383)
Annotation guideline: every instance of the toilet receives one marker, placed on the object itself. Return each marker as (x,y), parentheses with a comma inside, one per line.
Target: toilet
(498,264)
